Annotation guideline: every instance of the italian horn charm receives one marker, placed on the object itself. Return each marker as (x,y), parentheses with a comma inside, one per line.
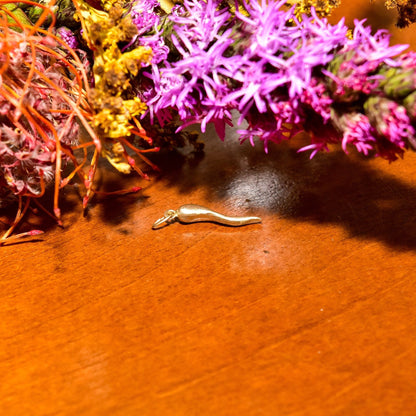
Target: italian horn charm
(196,213)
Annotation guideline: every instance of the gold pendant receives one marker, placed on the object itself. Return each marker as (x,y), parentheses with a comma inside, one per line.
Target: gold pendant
(190,213)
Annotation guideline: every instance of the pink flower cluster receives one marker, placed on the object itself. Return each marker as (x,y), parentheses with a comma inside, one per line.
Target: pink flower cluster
(33,113)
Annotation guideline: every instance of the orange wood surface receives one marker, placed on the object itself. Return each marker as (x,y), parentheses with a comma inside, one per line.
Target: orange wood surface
(311,312)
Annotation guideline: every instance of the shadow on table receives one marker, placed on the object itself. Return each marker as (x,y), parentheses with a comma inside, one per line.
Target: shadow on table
(36,217)
(349,190)
(112,209)
(333,188)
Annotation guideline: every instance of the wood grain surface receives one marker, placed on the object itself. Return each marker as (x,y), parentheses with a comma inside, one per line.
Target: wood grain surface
(311,312)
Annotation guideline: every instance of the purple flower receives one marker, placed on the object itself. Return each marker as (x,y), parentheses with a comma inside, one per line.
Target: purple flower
(354,70)
(390,120)
(373,48)
(317,98)
(200,22)
(293,51)
(407,60)
(140,6)
(194,85)
(268,129)
(68,37)
(357,131)
(144,21)
(156,43)
(284,75)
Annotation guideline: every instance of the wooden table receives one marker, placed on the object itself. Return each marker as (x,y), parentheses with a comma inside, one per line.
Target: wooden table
(311,312)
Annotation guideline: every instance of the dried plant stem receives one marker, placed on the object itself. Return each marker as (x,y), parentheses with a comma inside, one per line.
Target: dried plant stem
(77,111)
(19,215)
(90,179)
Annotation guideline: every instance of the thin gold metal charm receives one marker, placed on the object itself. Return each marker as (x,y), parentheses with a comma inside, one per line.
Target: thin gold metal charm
(196,213)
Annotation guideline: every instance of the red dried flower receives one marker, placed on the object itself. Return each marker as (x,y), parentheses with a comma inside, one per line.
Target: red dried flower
(41,89)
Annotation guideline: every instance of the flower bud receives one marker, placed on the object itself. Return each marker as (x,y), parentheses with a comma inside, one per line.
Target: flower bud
(398,82)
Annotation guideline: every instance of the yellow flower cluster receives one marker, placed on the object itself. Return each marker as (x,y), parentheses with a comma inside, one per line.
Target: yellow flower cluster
(112,98)
(109,4)
(322,7)
(114,115)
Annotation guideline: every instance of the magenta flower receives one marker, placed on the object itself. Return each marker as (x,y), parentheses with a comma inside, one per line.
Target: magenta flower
(159,49)
(390,120)
(68,36)
(144,20)
(285,75)
(195,84)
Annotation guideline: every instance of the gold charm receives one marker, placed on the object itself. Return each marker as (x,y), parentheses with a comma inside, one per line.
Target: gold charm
(196,213)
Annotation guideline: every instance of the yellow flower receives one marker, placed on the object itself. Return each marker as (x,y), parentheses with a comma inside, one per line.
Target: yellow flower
(322,7)
(135,106)
(113,152)
(109,4)
(112,99)
(132,60)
